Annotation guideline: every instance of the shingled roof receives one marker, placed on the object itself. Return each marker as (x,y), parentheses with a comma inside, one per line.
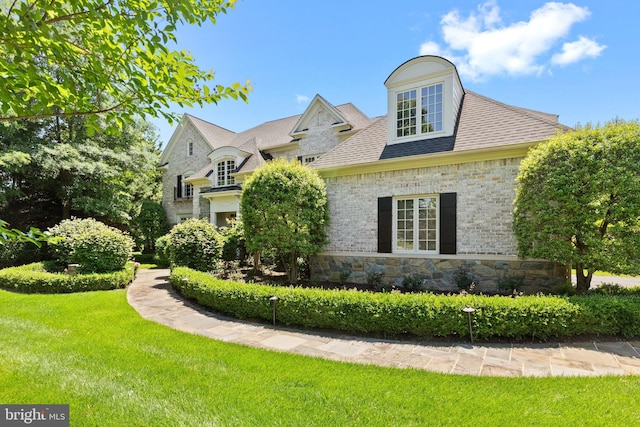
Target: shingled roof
(215,135)
(483,123)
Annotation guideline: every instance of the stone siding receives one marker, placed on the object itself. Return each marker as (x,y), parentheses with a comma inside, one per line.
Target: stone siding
(179,164)
(320,137)
(439,273)
(485,193)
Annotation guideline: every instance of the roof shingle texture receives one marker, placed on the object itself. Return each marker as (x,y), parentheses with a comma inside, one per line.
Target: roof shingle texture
(483,123)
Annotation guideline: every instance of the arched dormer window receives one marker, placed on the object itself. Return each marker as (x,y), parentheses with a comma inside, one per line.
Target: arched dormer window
(424,98)
(224,169)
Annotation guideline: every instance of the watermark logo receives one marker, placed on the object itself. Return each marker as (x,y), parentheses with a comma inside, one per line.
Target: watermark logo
(34,415)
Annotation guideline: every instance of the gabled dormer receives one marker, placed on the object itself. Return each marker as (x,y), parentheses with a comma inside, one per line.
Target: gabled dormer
(424,98)
(318,113)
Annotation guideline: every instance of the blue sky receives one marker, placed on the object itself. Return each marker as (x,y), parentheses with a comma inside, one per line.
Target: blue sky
(578,60)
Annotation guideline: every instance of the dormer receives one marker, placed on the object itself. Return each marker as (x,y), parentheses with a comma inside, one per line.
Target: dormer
(424,97)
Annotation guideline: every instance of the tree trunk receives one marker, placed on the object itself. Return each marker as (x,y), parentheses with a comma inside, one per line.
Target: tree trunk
(256,262)
(292,269)
(583,282)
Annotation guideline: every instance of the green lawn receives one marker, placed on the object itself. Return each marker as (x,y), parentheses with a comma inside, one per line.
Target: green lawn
(114,368)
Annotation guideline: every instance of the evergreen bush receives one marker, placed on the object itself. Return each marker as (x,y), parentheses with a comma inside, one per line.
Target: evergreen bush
(420,315)
(195,244)
(92,244)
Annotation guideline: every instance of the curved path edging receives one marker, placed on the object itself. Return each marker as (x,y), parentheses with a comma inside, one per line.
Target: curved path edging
(154,298)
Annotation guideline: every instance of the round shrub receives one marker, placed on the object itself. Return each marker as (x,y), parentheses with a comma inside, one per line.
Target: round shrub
(102,250)
(195,244)
(67,230)
(92,244)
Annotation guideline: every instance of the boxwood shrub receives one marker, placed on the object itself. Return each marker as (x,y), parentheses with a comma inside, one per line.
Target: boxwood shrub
(423,316)
(195,244)
(97,247)
(33,278)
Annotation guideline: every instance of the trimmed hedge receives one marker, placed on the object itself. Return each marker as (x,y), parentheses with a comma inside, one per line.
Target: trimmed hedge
(33,278)
(424,316)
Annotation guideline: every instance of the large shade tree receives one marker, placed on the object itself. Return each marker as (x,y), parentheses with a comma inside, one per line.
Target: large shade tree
(284,208)
(578,200)
(52,170)
(109,60)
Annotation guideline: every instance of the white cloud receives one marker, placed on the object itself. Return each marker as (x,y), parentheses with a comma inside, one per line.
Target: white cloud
(575,51)
(481,45)
(302,99)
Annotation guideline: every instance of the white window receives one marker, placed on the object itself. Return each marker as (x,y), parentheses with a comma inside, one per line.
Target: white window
(416,224)
(187,191)
(180,218)
(223,173)
(428,119)
(310,158)
(190,148)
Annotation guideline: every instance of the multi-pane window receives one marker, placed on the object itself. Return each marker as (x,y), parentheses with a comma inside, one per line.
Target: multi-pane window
(406,113)
(431,108)
(416,224)
(223,173)
(308,159)
(408,122)
(187,191)
(190,148)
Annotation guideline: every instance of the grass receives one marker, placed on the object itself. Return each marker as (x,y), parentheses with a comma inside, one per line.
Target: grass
(602,274)
(94,352)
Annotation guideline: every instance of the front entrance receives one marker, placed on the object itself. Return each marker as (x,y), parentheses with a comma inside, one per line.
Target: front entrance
(223,218)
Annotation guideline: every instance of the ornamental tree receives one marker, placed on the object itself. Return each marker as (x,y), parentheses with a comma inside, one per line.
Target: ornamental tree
(284,208)
(578,201)
(109,60)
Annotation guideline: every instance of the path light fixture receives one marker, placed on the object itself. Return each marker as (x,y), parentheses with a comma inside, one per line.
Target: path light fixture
(469,310)
(274,301)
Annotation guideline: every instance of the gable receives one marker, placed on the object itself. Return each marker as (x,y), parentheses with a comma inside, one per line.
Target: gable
(197,131)
(319,111)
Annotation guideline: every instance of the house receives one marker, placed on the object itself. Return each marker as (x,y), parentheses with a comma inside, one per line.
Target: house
(425,191)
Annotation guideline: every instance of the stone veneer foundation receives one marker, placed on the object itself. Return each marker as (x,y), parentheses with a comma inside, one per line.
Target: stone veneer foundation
(489,273)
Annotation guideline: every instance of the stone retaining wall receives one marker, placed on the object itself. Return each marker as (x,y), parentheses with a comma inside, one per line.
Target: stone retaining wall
(490,274)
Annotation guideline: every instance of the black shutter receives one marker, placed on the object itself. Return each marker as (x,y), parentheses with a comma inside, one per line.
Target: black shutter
(179,187)
(448,219)
(385,224)
(300,159)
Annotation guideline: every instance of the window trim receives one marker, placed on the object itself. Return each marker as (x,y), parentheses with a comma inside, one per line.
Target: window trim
(395,218)
(417,118)
(309,158)
(228,179)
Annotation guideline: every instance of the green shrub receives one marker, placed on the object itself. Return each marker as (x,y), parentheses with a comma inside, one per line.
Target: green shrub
(68,229)
(97,247)
(233,247)
(150,224)
(33,278)
(102,250)
(13,253)
(424,316)
(614,289)
(162,251)
(195,244)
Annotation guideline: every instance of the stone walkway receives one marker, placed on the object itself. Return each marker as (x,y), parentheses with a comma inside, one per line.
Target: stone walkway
(152,296)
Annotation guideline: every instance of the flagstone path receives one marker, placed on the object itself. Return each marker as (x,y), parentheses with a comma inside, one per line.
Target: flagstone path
(154,298)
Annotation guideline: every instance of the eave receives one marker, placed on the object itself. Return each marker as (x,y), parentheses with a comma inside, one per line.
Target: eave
(431,160)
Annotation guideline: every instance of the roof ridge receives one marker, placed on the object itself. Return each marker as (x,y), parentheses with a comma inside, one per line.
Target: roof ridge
(536,115)
(209,123)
